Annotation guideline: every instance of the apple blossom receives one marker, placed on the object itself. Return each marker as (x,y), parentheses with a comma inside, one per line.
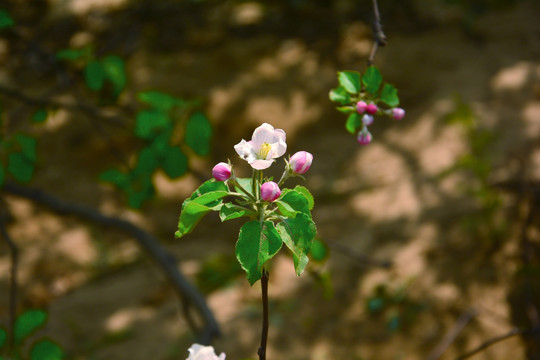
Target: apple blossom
(270,191)
(265,145)
(364,136)
(361,107)
(371,108)
(398,113)
(367,119)
(221,171)
(300,162)
(199,352)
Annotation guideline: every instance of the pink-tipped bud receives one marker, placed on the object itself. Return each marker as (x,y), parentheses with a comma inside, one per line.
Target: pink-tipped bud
(364,136)
(371,108)
(301,162)
(221,171)
(398,113)
(270,191)
(361,107)
(367,120)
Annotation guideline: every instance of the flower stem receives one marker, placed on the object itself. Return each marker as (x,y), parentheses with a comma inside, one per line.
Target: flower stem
(264,334)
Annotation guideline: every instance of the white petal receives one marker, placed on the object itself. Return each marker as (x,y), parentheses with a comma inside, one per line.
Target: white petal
(245,150)
(261,164)
(278,149)
(262,134)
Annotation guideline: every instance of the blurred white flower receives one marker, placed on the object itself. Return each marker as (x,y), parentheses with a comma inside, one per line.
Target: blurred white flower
(199,352)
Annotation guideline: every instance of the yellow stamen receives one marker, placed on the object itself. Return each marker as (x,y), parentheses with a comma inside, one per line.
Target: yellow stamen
(265,149)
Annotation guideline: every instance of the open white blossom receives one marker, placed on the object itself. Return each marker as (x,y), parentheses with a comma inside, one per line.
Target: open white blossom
(265,145)
(199,352)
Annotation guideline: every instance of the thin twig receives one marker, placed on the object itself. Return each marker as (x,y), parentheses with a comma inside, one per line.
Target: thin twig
(496,339)
(357,257)
(264,334)
(146,241)
(379,38)
(451,335)
(14,254)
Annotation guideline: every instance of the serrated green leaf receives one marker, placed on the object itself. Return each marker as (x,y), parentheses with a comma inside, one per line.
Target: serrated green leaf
(257,243)
(159,101)
(175,163)
(198,134)
(193,210)
(354,122)
(246,184)
(114,71)
(6,21)
(304,191)
(39,116)
(27,323)
(389,95)
(350,80)
(46,350)
(298,233)
(150,122)
(206,187)
(230,211)
(340,95)
(94,74)
(115,177)
(296,200)
(3,337)
(372,79)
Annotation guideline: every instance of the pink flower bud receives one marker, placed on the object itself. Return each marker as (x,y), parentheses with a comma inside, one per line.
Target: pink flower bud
(398,113)
(301,162)
(361,107)
(221,171)
(364,136)
(371,109)
(367,120)
(270,191)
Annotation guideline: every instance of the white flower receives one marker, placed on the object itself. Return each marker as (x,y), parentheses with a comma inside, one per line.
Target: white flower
(265,145)
(199,352)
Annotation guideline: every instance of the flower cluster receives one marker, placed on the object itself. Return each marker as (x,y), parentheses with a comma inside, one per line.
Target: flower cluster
(367,110)
(266,145)
(277,215)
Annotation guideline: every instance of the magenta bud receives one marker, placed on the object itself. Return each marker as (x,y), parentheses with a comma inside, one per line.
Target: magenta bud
(361,107)
(364,136)
(398,113)
(221,171)
(270,191)
(300,162)
(367,120)
(371,108)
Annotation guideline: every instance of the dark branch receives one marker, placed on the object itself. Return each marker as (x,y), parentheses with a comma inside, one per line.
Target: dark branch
(449,338)
(379,38)
(146,241)
(264,333)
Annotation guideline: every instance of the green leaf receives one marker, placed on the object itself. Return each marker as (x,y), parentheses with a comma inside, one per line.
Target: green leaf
(114,71)
(372,79)
(257,243)
(198,134)
(46,350)
(27,323)
(230,211)
(159,101)
(318,252)
(354,122)
(27,145)
(296,200)
(3,337)
(298,234)
(20,167)
(150,122)
(350,80)
(346,109)
(246,184)
(94,74)
(340,95)
(389,95)
(206,187)
(303,190)
(175,163)
(73,54)
(193,210)
(140,191)
(39,116)
(2,174)
(6,21)
(115,177)
(146,163)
